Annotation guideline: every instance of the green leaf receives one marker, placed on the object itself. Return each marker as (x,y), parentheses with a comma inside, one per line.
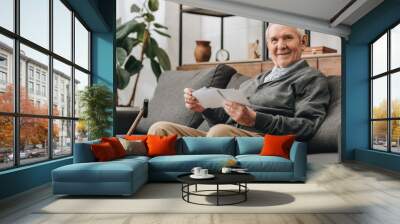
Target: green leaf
(135,8)
(156,68)
(130,27)
(121,55)
(157,25)
(133,66)
(123,78)
(162,33)
(151,48)
(153,5)
(129,43)
(149,17)
(163,59)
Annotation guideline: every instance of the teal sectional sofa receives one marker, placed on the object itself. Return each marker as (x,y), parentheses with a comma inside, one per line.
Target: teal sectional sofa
(125,176)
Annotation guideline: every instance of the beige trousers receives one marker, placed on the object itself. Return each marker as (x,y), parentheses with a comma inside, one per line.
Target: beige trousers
(164,128)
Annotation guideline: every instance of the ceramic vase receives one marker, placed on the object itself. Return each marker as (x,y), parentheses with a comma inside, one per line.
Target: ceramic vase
(202,52)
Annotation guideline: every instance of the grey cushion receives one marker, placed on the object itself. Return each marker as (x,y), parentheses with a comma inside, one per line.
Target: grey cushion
(326,139)
(168,103)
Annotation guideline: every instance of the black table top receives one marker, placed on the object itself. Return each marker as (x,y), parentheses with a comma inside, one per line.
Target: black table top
(220,178)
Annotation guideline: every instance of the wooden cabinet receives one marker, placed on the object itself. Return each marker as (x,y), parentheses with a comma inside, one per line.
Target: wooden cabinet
(328,64)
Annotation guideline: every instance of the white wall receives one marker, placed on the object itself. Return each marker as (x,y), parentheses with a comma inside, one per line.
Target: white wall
(238,33)
(321,39)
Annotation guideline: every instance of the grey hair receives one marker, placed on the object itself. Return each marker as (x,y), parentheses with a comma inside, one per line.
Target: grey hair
(300,32)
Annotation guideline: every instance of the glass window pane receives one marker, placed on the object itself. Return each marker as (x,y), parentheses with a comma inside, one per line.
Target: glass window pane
(6,142)
(81,81)
(62,138)
(62,89)
(379,135)
(395,94)
(62,29)
(395,136)
(379,56)
(81,45)
(7,14)
(6,74)
(33,139)
(395,47)
(81,131)
(379,97)
(34,72)
(35,21)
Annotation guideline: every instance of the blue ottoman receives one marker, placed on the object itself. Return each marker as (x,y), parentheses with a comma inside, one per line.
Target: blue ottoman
(118,177)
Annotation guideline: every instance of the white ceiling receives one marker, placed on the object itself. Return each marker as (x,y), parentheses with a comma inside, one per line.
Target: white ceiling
(316,15)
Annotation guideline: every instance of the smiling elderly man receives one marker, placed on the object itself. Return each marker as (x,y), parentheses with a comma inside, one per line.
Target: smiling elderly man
(292,98)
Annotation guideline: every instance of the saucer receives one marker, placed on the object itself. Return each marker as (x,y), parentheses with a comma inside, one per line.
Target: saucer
(208,176)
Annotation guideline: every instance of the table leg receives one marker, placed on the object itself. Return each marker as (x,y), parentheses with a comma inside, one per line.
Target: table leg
(245,191)
(217,194)
(196,188)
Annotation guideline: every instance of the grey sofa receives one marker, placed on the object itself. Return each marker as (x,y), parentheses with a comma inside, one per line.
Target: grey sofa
(169,93)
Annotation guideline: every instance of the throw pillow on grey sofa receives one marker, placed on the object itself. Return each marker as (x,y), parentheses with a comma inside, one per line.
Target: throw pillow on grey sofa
(167,103)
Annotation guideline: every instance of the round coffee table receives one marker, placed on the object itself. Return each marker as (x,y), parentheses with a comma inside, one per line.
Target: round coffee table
(238,179)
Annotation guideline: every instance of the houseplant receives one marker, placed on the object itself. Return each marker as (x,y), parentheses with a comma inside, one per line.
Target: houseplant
(138,32)
(96,102)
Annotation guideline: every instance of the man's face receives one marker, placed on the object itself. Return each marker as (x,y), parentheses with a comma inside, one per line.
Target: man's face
(284,45)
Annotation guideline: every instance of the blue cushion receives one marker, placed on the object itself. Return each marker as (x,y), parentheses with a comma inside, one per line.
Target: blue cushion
(249,145)
(207,145)
(120,171)
(83,152)
(257,163)
(184,163)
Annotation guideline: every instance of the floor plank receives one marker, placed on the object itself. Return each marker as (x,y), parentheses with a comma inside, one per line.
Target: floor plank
(376,190)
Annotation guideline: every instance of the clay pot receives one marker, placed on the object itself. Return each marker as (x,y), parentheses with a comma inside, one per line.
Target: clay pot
(202,52)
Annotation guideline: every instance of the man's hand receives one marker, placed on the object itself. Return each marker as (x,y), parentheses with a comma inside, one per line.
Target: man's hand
(242,114)
(191,102)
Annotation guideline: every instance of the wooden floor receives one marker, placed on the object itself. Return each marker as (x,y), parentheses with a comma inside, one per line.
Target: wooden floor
(378,189)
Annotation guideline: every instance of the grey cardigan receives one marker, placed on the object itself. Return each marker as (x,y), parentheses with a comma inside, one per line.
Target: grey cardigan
(295,103)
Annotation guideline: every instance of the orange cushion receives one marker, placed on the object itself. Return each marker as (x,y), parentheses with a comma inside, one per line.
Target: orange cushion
(116,145)
(103,151)
(161,145)
(136,138)
(277,145)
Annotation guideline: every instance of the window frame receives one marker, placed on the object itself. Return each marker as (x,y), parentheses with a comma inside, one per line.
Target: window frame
(388,74)
(16,114)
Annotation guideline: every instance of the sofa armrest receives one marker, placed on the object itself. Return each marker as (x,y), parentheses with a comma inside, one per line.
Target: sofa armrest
(298,155)
(83,152)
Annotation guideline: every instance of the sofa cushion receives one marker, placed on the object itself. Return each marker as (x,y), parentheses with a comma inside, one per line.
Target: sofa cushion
(249,145)
(277,145)
(112,171)
(185,163)
(169,94)
(207,145)
(83,153)
(257,163)
(103,152)
(161,145)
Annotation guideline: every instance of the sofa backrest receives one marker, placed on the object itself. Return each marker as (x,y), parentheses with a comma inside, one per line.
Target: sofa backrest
(206,145)
(249,145)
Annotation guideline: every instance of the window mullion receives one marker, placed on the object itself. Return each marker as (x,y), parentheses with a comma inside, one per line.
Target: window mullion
(389,106)
(73,82)
(16,70)
(50,81)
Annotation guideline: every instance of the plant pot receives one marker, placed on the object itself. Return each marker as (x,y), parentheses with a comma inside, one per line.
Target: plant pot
(202,52)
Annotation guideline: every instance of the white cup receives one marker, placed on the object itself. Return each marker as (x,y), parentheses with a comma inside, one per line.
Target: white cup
(203,172)
(226,170)
(196,171)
